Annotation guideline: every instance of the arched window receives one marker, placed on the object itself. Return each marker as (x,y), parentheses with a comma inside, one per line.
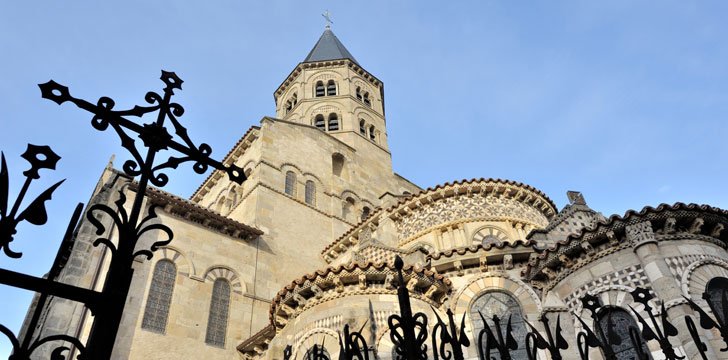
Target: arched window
(320,90)
(333,122)
(310,192)
(348,208)
(714,291)
(319,122)
(217,320)
(362,128)
(358,93)
(502,305)
(337,164)
(331,88)
(620,320)
(367,102)
(364,212)
(291,183)
(160,296)
(371,133)
(289,106)
(295,99)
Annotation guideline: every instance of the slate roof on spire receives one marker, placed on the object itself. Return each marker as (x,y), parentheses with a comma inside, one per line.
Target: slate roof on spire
(328,47)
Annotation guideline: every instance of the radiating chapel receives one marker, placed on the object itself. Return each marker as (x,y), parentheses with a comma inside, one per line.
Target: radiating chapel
(306,244)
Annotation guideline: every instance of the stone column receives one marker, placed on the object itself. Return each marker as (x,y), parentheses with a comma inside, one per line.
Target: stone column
(665,286)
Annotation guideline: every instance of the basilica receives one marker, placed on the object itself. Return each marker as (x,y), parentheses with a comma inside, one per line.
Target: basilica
(306,244)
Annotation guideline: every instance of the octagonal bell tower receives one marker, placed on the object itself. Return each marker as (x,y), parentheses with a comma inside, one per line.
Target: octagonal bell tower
(329,90)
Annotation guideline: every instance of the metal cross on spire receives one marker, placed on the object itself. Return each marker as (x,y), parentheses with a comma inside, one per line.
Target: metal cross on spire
(328,20)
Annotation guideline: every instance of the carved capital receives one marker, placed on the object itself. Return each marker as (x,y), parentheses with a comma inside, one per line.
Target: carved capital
(299,299)
(412,284)
(339,285)
(318,293)
(431,291)
(389,281)
(459,267)
(566,260)
(483,264)
(362,281)
(588,247)
(508,262)
(717,229)
(697,226)
(640,233)
(551,274)
(612,238)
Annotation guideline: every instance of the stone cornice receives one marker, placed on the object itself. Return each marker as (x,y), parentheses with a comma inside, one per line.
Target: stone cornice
(354,279)
(318,64)
(235,152)
(190,211)
(663,223)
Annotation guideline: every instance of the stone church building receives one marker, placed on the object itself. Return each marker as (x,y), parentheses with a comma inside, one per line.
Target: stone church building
(306,244)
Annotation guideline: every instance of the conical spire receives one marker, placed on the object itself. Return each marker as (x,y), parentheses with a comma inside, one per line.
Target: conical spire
(328,47)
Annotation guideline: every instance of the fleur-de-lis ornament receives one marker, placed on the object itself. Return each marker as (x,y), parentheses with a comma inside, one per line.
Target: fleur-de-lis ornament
(39,157)
(643,296)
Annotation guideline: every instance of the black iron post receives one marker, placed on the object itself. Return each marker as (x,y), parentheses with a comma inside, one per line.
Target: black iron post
(155,138)
(408,332)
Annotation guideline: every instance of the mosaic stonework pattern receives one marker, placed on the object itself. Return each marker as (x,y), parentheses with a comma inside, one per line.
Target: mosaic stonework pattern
(378,254)
(334,323)
(465,207)
(678,264)
(632,277)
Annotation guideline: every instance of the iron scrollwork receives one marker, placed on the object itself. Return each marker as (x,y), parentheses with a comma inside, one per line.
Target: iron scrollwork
(353,345)
(449,337)
(643,297)
(39,157)
(503,344)
(554,344)
(156,138)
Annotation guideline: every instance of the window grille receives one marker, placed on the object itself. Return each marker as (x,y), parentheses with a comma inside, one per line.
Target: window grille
(310,192)
(320,90)
(503,305)
(333,122)
(219,306)
(320,123)
(620,321)
(160,297)
(362,128)
(331,88)
(291,183)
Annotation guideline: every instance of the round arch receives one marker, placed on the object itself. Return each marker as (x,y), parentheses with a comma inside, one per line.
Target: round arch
(221,271)
(184,266)
(328,337)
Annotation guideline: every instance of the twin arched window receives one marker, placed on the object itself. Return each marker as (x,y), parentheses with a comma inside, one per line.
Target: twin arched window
(372,135)
(291,103)
(332,125)
(291,183)
(160,297)
(217,319)
(325,90)
(362,128)
(363,96)
(310,192)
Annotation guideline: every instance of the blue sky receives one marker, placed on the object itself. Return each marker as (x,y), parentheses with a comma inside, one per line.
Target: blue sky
(625,101)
